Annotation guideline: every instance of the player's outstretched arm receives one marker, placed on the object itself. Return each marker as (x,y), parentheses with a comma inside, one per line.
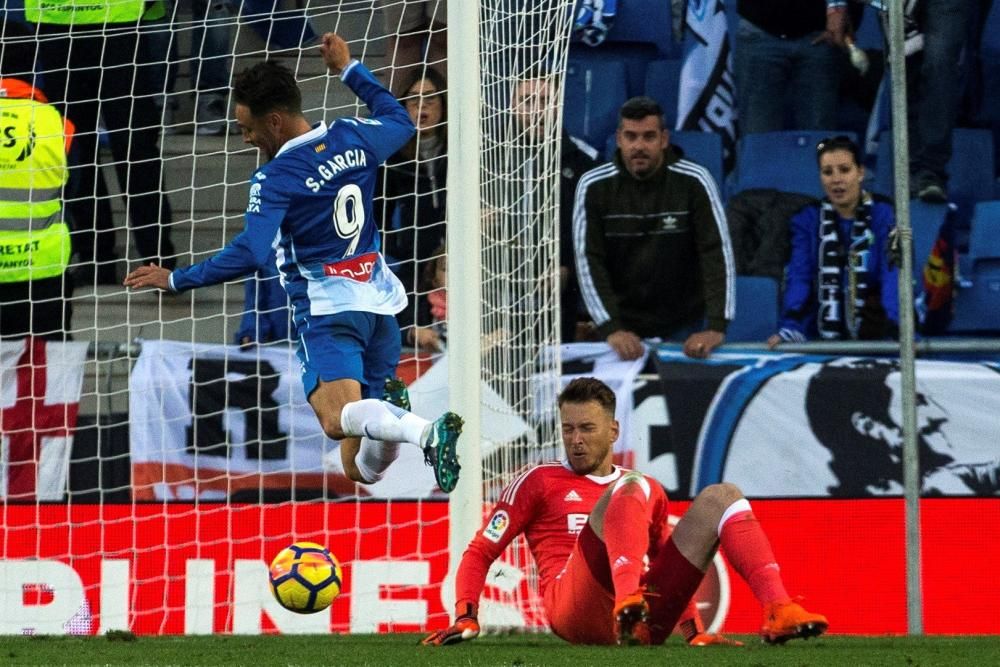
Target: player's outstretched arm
(465,627)
(150,275)
(335,52)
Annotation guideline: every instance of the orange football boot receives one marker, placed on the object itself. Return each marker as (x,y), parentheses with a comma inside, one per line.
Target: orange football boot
(788,620)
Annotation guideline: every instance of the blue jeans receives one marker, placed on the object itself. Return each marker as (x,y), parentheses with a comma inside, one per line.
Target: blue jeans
(774,75)
(934,85)
(211,30)
(289,29)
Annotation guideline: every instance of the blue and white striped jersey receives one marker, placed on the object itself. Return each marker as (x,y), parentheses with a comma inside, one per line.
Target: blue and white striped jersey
(313,205)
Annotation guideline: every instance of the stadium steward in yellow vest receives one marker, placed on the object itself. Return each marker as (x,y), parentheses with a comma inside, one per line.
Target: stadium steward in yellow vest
(34,238)
(92,57)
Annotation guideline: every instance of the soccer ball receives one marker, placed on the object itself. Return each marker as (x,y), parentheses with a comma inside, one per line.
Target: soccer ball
(305,577)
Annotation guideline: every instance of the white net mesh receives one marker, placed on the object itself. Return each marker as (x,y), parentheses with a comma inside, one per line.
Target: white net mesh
(195,461)
(523,58)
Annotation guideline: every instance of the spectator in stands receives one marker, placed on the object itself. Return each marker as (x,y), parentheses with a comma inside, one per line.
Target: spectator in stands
(284,27)
(412,188)
(431,327)
(531,98)
(209,33)
(653,254)
(934,87)
(89,57)
(840,283)
(416,38)
(34,238)
(788,62)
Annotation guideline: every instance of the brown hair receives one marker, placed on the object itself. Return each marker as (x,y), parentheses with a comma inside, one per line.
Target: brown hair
(266,87)
(583,390)
(437,80)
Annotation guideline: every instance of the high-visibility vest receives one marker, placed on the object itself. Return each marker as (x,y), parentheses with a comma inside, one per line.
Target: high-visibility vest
(83,12)
(34,240)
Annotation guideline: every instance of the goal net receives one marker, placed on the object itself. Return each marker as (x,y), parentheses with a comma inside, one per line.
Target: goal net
(157,450)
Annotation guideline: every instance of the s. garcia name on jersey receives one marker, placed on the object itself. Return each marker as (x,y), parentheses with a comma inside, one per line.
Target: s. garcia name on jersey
(354,157)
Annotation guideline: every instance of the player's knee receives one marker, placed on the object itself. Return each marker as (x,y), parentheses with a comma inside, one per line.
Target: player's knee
(331,426)
(352,473)
(717,497)
(727,492)
(632,482)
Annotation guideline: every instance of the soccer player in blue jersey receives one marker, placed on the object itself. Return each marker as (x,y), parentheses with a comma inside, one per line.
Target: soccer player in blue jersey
(312,204)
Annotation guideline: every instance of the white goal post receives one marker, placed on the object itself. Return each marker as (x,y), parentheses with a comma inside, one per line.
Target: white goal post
(506,71)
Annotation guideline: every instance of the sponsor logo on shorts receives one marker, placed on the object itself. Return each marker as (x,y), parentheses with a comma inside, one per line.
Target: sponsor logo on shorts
(497,526)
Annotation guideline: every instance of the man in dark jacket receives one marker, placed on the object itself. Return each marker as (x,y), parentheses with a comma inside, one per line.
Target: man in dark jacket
(653,254)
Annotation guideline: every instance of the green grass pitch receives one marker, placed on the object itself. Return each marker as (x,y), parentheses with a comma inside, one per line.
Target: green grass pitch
(512,651)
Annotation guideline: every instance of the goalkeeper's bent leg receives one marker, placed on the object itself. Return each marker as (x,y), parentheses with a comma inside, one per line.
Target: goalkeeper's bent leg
(626,532)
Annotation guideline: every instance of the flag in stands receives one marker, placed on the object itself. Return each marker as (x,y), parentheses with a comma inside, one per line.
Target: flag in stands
(39,401)
(707,95)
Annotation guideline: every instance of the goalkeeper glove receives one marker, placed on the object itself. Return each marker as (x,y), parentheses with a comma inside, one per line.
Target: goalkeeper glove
(466,626)
(594,19)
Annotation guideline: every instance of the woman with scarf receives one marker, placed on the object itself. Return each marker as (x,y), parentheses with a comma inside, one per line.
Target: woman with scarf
(839,283)
(412,191)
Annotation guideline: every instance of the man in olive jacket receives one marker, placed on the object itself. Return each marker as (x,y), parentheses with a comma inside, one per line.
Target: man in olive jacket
(653,254)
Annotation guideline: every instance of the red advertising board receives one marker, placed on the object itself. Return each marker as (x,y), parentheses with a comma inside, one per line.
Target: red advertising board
(171,569)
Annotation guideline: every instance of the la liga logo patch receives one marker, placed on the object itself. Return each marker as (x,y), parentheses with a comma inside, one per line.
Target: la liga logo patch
(497,526)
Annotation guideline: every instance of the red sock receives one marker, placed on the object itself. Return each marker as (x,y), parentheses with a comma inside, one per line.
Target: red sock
(690,624)
(626,537)
(749,551)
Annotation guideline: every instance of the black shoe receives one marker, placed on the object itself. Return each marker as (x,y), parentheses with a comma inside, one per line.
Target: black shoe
(932,193)
(928,187)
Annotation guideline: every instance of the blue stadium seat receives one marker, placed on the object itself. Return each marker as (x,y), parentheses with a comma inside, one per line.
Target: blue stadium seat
(882,180)
(705,148)
(970,171)
(756,310)
(926,220)
(662,84)
(977,303)
(595,91)
(784,161)
(635,56)
(645,21)
(984,240)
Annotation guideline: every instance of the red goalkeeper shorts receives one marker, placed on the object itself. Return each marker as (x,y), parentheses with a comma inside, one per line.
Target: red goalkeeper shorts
(581,600)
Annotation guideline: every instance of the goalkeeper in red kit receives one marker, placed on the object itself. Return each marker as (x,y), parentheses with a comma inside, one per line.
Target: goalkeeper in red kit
(592,527)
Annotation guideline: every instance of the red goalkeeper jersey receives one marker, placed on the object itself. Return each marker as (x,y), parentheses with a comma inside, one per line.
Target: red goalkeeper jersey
(550,504)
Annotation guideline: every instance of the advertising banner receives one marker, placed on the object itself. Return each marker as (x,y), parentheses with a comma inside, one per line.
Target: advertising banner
(796,425)
(178,568)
